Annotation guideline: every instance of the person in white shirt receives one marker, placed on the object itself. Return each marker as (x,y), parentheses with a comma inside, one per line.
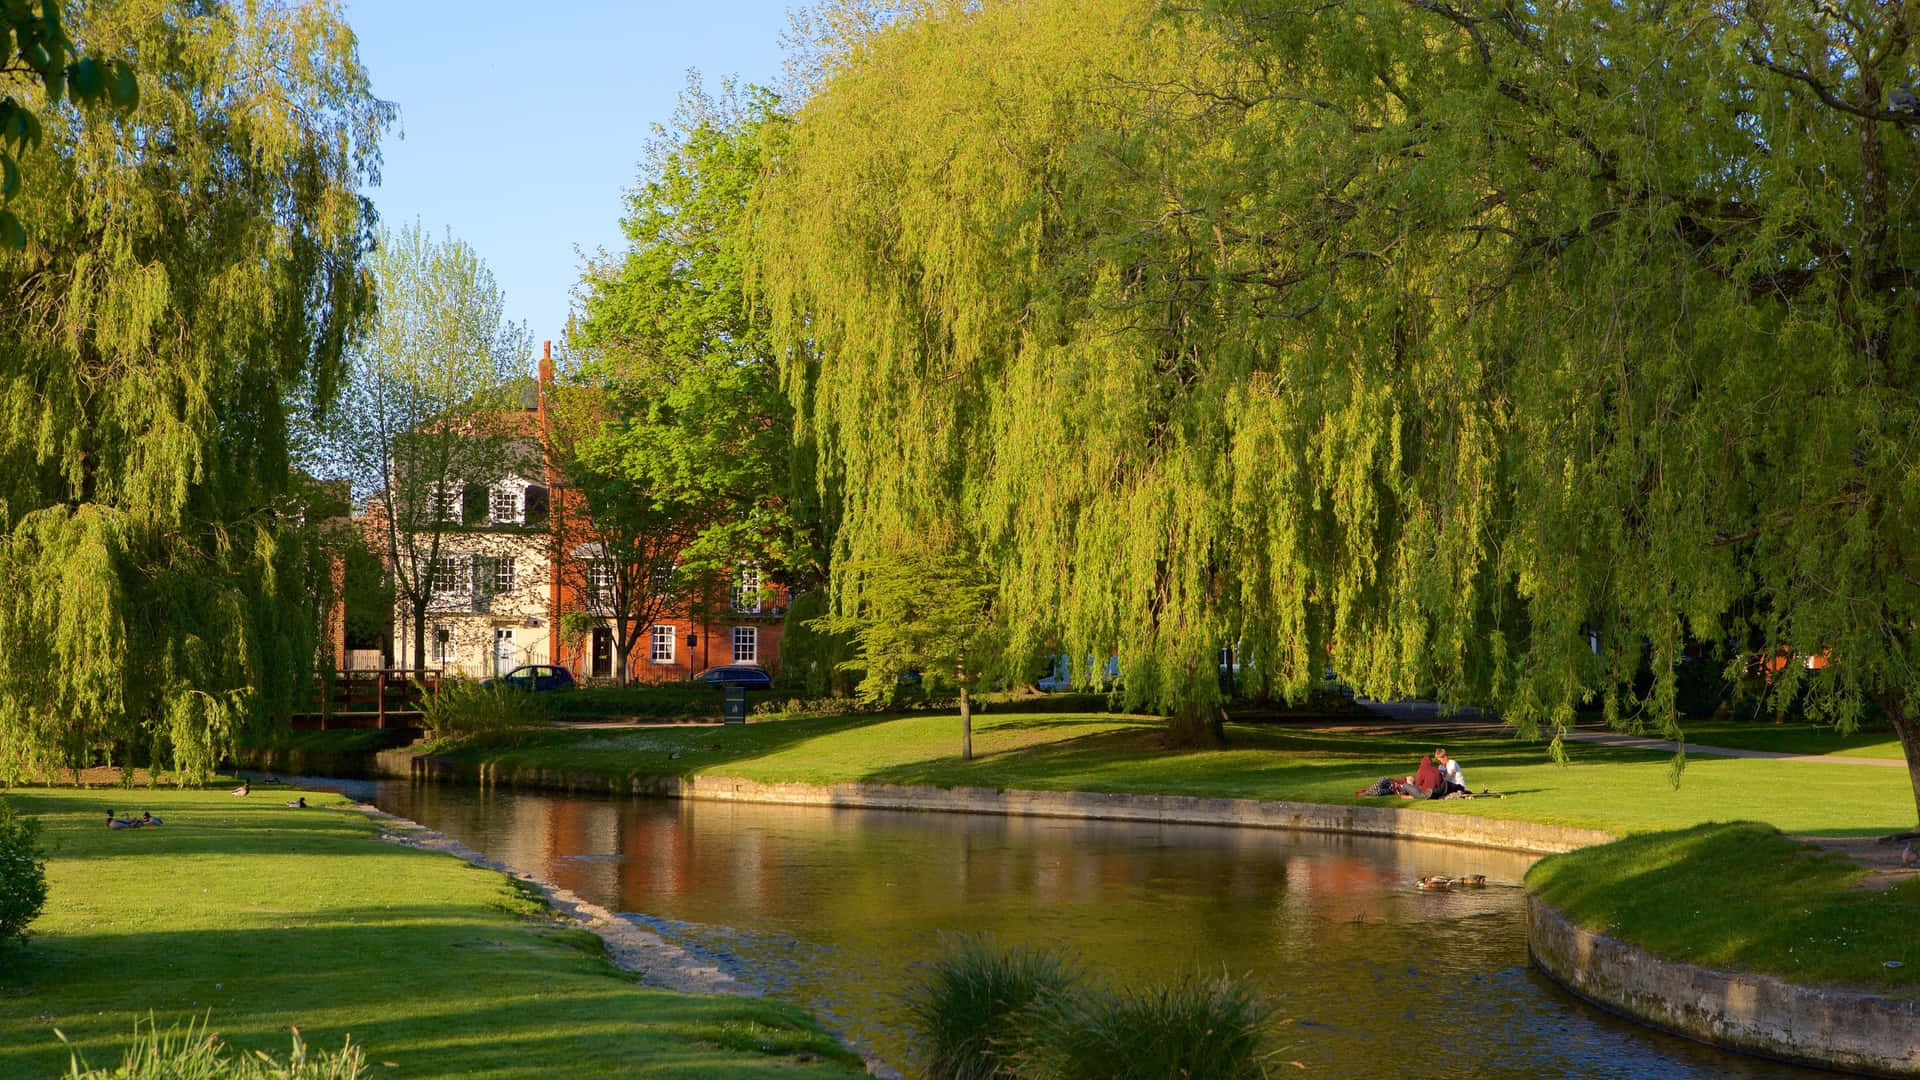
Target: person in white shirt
(1451,778)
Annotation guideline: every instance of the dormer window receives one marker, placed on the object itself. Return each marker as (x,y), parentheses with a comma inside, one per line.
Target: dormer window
(505,506)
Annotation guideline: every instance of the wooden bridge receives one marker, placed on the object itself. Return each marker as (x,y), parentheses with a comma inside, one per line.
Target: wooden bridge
(380,698)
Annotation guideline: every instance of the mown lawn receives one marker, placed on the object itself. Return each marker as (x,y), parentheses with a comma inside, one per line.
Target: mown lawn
(261,917)
(1616,789)
(1742,896)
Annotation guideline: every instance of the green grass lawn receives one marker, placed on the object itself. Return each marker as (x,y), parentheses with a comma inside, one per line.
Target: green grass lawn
(1794,739)
(1742,896)
(261,917)
(1616,789)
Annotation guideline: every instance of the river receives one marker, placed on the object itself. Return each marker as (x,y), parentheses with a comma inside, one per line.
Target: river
(835,909)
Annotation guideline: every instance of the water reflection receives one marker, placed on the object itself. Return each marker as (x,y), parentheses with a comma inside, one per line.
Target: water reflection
(835,908)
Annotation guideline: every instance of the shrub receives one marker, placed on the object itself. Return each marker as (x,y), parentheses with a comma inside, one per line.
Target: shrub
(196,1053)
(968,1010)
(1216,1029)
(23,877)
(467,711)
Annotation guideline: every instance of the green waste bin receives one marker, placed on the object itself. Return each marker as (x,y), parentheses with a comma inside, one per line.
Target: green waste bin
(733,707)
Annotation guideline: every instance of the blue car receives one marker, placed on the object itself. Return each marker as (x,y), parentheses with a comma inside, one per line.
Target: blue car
(747,675)
(535,677)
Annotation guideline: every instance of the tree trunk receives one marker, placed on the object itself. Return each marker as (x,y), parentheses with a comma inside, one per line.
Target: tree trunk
(966,725)
(1907,726)
(1196,727)
(419,636)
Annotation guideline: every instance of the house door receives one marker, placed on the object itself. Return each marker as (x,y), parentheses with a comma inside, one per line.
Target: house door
(602,653)
(503,651)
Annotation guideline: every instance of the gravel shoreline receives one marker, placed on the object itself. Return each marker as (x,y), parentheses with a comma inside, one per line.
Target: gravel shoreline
(632,948)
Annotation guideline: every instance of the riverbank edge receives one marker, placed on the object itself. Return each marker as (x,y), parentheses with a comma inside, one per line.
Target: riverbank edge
(1393,822)
(630,948)
(1754,1014)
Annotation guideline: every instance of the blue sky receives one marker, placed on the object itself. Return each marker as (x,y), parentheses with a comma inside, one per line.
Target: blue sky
(521,125)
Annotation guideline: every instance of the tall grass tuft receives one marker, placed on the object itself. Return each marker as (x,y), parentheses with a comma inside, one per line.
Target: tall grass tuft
(1199,1029)
(464,710)
(969,1008)
(196,1053)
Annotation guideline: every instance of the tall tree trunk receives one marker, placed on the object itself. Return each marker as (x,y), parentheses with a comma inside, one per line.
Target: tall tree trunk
(966,724)
(1196,727)
(420,635)
(1907,726)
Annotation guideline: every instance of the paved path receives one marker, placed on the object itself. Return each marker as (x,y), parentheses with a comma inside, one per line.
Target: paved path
(1477,719)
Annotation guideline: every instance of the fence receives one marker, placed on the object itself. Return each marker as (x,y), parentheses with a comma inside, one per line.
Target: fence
(380,698)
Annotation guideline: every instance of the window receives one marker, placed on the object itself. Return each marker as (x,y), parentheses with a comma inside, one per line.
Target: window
(600,581)
(440,646)
(746,644)
(746,591)
(503,574)
(450,574)
(505,507)
(446,502)
(662,645)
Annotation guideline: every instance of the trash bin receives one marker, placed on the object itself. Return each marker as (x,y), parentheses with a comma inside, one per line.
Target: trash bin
(733,707)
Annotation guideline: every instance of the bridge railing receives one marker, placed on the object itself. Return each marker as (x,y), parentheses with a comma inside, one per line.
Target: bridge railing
(380,698)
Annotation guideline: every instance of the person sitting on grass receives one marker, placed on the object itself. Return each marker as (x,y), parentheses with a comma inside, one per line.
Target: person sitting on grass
(120,823)
(1418,786)
(1451,778)
(1425,781)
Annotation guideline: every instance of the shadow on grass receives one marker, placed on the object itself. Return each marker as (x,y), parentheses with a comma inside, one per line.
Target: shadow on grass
(427,986)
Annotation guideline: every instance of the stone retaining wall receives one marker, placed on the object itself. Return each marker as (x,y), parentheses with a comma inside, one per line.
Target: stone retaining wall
(1400,821)
(1757,1014)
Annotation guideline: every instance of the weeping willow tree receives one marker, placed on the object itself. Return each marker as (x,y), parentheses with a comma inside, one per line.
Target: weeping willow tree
(194,267)
(1497,352)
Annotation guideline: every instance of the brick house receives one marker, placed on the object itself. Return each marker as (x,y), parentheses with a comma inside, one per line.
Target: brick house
(503,589)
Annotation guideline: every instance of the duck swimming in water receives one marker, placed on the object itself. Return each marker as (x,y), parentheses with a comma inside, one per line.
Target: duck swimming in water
(1434,881)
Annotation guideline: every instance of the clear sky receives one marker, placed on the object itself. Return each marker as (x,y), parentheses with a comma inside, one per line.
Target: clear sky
(521,125)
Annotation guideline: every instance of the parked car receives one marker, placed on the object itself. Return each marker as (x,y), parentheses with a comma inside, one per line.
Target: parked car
(534,677)
(747,675)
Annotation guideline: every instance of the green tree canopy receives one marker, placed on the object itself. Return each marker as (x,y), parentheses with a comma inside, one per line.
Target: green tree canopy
(1433,341)
(696,415)
(193,267)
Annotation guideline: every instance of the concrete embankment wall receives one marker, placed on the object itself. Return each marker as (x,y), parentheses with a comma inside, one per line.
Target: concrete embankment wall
(1399,821)
(1757,1014)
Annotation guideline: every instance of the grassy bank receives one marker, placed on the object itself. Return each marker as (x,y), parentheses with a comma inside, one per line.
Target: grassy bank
(264,917)
(1616,789)
(1742,896)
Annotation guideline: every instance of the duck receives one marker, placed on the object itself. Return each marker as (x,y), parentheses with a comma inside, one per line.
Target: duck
(1472,881)
(1434,881)
(299,803)
(243,790)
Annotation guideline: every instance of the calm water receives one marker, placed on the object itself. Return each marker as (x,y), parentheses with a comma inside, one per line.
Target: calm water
(834,909)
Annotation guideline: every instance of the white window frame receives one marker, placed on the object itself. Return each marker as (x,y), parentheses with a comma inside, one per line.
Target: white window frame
(600,582)
(746,590)
(449,503)
(503,574)
(450,575)
(661,643)
(746,645)
(515,512)
(442,645)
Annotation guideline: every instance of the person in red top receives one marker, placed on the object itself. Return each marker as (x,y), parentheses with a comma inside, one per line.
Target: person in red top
(1425,779)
